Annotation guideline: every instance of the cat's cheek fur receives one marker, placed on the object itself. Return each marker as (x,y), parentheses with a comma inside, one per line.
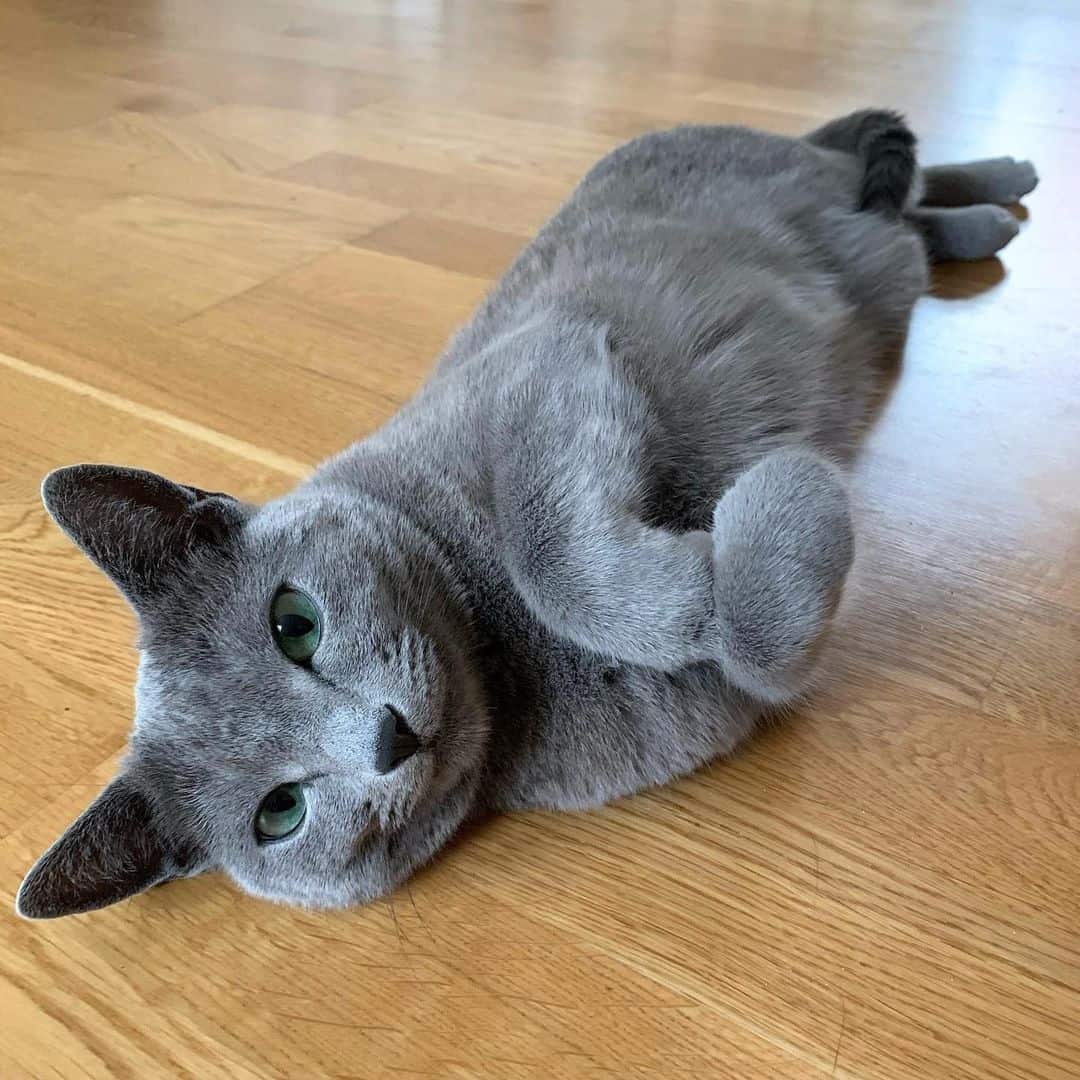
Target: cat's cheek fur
(370,867)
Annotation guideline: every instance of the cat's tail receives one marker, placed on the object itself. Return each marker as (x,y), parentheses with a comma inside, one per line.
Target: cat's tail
(886,145)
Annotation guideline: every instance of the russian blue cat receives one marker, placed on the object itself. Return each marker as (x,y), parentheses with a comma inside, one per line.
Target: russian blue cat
(606,536)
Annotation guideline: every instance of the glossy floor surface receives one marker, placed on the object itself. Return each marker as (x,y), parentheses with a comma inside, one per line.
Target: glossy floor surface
(232,239)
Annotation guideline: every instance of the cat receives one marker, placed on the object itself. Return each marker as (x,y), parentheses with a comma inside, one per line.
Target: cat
(600,543)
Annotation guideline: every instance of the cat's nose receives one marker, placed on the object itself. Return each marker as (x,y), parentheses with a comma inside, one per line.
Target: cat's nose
(395,741)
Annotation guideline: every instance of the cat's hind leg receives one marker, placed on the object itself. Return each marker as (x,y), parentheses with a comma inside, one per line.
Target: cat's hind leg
(1001,180)
(961,211)
(964,233)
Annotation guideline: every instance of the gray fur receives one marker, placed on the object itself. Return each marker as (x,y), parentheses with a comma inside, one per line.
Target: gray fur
(1002,180)
(606,536)
(965,232)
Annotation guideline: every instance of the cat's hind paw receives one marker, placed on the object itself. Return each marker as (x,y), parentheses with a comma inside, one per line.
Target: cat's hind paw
(1009,180)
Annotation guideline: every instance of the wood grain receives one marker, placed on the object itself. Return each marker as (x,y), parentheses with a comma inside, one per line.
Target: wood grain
(213,217)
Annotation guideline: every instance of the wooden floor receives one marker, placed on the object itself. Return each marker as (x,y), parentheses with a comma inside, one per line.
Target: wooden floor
(222,220)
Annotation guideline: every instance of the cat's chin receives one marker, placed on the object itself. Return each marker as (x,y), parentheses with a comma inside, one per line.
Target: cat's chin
(437,818)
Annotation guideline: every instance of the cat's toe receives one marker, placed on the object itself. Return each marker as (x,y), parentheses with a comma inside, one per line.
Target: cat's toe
(1025,179)
(1002,229)
(1014,180)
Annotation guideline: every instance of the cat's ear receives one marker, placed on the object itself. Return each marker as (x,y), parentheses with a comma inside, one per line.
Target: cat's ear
(137,526)
(113,851)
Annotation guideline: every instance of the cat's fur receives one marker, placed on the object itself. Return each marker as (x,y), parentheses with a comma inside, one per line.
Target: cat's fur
(606,535)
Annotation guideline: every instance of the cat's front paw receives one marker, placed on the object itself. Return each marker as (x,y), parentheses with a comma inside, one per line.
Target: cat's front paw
(782,547)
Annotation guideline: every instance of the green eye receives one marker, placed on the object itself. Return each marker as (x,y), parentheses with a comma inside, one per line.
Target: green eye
(281,812)
(296,625)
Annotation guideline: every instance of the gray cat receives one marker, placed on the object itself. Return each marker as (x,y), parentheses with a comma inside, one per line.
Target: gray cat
(606,536)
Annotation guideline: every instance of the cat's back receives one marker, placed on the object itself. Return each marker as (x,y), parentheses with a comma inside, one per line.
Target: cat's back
(705,171)
(678,225)
(725,268)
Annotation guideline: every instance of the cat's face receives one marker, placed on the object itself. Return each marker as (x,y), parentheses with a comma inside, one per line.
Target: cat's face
(306,717)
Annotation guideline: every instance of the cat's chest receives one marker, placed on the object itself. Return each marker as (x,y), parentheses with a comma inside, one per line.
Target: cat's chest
(529,673)
(556,709)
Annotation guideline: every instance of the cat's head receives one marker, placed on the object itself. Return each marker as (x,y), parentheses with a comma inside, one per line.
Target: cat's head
(306,717)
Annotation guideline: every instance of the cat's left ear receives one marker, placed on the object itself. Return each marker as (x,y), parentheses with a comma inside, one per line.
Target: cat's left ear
(137,526)
(114,850)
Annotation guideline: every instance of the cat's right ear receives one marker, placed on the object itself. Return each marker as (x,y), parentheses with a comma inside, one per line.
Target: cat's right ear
(137,526)
(113,851)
